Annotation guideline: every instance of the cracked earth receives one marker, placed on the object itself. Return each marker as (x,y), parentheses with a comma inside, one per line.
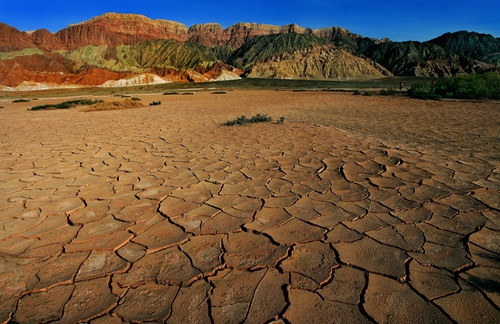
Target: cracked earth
(356,209)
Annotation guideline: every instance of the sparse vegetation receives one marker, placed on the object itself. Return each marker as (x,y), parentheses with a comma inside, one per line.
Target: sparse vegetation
(67,104)
(259,118)
(474,86)
(136,99)
(20,100)
(114,105)
(155,103)
(170,93)
(383,92)
(423,90)
(281,120)
(218,92)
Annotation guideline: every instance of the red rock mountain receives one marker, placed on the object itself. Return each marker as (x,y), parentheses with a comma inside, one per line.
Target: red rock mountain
(126,29)
(120,29)
(46,41)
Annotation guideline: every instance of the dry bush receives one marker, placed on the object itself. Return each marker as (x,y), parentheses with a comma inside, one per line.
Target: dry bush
(112,105)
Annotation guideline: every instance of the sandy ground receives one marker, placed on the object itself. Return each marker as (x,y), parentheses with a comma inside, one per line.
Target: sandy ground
(355,209)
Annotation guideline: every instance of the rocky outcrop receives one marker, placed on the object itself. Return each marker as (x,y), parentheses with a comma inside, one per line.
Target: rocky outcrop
(334,33)
(211,34)
(220,72)
(240,33)
(134,80)
(319,62)
(52,67)
(46,41)
(12,39)
(120,29)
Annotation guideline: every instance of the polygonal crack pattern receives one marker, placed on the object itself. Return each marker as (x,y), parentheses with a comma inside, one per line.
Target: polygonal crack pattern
(179,220)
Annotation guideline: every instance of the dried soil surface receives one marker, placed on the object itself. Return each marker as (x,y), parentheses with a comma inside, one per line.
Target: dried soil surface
(355,209)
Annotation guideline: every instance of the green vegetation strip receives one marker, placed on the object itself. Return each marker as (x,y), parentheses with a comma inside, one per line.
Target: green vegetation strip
(473,86)
(67,104)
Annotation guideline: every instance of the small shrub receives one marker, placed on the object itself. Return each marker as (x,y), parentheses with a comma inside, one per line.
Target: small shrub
(170,93)
(281,120)
(136,99)
(218,92)
(1,107)
(20,100)
(369,93)
(357,93)
(155,103)
(259,118)
(238,121)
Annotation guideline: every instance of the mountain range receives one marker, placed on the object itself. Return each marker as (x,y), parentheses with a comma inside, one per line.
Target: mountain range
(127,49)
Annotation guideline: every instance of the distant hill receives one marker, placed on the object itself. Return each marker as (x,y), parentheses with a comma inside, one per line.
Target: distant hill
(481,47)
(116,49)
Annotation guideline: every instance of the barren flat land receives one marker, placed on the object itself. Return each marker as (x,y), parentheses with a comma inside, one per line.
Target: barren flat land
(355,209)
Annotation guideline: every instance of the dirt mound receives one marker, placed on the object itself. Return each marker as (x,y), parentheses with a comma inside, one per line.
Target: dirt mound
(113,105)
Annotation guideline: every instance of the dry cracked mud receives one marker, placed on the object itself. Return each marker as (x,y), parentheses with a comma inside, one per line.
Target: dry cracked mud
(355,209)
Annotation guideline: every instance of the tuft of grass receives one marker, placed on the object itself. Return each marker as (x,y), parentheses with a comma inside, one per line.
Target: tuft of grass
(136,99)
(155,103)
(67,104)
(387,92)
(281,120)
(170,93)
(20,100)
(259,118)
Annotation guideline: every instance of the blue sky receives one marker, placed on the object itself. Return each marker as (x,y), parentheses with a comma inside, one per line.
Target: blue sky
(398,20)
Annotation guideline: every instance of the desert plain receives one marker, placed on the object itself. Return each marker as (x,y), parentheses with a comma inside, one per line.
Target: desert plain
(354,209)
